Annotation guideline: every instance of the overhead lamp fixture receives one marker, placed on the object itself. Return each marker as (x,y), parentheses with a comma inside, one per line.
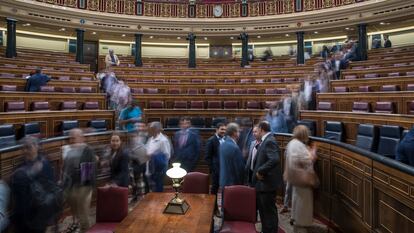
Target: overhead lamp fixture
(287,35)
(151,37)
(176,205)
(346,28)
(259,37)
(205,38)
(178,38)
(26,24)
(316,32)
(123,35)
(93,33)
(62,29)
(231,38)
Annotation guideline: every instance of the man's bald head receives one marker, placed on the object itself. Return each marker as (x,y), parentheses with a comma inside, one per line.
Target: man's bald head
(76,136)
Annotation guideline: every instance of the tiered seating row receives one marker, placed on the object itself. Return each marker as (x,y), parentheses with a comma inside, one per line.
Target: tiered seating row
(35,101)
(378,72)
(403,83)
(11,84)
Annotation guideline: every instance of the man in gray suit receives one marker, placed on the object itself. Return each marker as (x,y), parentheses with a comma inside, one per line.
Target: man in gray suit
(266,177)
(253,145)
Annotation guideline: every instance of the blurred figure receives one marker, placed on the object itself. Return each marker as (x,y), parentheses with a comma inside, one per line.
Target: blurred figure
(213,156)
(129,116)
(387,42)
(291,107)
(268,54)
(37,80)
(300,174)
(138,158)
(323,77)
(35,193)
(186,146)
(111,59)
(246,136)
(231,158)
(120,96)
(309,91)
(405,150)
(119,162)
(325,52)
(159,151)
(337,65)
(4,203)
(276,118)
(79,178)
(376,44)
(291,51)
(254,145)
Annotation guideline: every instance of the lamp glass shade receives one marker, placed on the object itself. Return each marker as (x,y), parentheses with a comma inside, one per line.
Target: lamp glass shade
(176,172)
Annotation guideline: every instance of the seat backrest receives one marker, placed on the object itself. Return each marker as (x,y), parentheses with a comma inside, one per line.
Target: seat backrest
(198,122)
(239,91)
(40,106)
(270,91)
(196,80)
(151,90)
(156,104)
(361,107)
(390,136)
(137,90)
(252,91)
(8,87)
(310,124)
(180,104)
(86,79)
(172,122)
(367,137)
(239,203)
(371,75)
(350,77)
(225,91)
(210,91)
(197,104)
(393,74)
(85,90)
(334,130)
(214,104)
(47,89)
(385,107)
(364,88)
(192,91)
(390,88)
(69,105)
(196,182)
(98,125)
(174,91)
(68,89)
(111,204)
(275,80)
(64,78)
(341,89)
(231,104)
(411,107)
(410,87)
(68,125)
(253,105)
(30,129)
(91,105)
(325,106)
(7,134)
(14,106)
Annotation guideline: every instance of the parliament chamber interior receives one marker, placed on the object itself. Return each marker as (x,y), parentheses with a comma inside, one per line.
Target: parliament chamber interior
(232,116)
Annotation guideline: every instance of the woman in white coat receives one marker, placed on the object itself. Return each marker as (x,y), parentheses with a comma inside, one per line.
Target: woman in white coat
(300,173)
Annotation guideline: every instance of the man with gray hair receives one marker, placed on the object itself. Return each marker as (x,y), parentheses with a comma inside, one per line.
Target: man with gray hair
(159,151)
(111,59)
(231,158)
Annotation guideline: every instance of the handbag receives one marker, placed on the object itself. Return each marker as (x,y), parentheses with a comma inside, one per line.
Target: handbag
(303,176)
(87,173)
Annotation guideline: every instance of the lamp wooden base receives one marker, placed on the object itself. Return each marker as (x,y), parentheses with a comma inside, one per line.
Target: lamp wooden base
(176,206)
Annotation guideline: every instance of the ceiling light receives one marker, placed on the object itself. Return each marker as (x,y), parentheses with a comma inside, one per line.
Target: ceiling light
(62,29)
(259,37)
(205,38)
(178,38)
(151,37)
(123,35)
(382,23)
(231,38)
(346,28)
(26,24)
(287,35)
(316,32)
(93,33)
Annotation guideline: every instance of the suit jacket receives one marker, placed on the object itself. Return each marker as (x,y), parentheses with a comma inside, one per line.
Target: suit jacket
(120,169)
(248,173)
(268,164)
(189,153)
(35,81)
(212,153)
(231,163)
(246,136)
(387,44)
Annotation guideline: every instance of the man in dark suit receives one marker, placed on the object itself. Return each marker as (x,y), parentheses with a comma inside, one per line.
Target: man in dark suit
(266,177)
(37,80)
(387,42)
(254,145)
(186,145)
(212,155)
(231,158)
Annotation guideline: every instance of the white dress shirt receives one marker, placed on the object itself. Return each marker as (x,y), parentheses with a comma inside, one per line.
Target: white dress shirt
(337,64)
(159,144)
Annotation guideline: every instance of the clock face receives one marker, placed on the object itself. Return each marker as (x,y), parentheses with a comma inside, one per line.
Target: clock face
(218,10)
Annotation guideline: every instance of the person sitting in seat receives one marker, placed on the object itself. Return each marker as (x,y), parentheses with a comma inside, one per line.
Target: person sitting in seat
(387,42)
(37,80)
(111,59)
(405,150)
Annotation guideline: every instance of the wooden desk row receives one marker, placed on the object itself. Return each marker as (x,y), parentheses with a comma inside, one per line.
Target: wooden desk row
(52,73)
(50,121)
(59,85)
(169,99)
(54,98)
(387,61)
(163,88)
(344,101)
(56,63)
(374,83)
(353,119)
(380,71)
(163,114)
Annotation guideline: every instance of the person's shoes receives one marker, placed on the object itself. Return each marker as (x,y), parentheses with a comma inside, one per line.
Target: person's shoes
(284,210)
(291,221)
(72,228)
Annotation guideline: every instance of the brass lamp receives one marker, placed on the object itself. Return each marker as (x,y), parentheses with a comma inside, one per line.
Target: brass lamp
(177,205)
